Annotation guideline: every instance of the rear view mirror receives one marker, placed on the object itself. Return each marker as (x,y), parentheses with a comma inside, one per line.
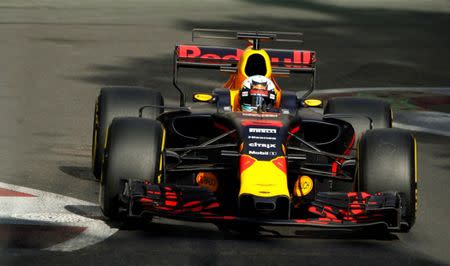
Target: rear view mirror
(202,97)
(313,103)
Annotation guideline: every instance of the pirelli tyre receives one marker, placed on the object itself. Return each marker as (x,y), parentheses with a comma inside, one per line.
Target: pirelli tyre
(387,161)
(379,111)
(133,152)
(115,102)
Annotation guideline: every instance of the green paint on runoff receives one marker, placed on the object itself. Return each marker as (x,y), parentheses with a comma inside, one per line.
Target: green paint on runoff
(398,102)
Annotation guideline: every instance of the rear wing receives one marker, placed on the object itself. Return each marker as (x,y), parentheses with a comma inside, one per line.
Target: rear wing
(283,61)
(223,58)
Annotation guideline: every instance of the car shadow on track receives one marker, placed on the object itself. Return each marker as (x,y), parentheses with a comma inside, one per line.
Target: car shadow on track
(211,232)
(159,227)
(78,172)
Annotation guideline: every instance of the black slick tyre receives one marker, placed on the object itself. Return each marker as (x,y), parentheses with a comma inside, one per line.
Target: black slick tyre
(387,161)
(133,152)
(377,110)
(115,102)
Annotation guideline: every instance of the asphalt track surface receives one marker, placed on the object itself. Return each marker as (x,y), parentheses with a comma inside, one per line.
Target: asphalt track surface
(55,56)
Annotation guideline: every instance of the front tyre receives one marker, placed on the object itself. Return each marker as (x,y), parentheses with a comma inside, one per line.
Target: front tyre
(388,162)
(133,152)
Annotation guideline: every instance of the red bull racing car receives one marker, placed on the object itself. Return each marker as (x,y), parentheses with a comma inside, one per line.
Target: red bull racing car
(288,160)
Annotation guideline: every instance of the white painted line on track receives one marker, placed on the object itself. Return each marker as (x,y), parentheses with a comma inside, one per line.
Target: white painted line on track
(52,209)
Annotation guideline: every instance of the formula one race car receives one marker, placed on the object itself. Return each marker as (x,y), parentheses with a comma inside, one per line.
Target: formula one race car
(279,162)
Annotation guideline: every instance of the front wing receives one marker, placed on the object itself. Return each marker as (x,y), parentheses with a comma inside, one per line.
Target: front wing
(329,209)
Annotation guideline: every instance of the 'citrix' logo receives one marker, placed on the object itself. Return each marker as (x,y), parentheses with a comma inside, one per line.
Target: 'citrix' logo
(262,145)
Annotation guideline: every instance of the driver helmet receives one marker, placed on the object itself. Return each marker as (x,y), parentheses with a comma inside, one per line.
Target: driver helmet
(257,93)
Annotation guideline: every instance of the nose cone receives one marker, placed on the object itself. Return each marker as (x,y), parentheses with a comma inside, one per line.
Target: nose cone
(263,178)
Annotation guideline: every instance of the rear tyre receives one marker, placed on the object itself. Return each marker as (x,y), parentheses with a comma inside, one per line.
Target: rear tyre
(133,152)
(115,102)
(387,162)
(377,110)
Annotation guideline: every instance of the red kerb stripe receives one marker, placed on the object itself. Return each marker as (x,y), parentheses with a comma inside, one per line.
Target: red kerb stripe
(11,193)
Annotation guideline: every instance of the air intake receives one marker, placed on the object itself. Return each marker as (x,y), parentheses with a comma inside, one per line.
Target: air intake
(256,65)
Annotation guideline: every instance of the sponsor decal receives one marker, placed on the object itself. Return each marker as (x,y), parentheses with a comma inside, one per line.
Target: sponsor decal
(261,92)
(258,152)
(208,180)
(262,130)
(264,153)
(279,57)
(256,114)
(192,51)
(262,137)
(262,123)
(263,145)
(303,186)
